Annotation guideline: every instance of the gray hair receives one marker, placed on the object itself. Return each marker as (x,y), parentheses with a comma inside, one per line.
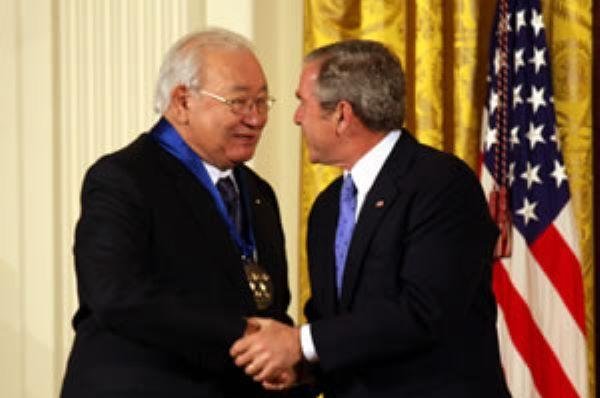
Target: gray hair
(367,75)
(182,64)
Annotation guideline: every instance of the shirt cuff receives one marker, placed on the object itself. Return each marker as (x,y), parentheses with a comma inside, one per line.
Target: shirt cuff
(307,344)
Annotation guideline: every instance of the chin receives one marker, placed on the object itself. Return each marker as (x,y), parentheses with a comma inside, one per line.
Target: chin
(314,159)
(242,156)
(313,156)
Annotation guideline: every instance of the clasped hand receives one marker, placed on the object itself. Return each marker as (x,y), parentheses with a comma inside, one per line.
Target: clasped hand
(268,352)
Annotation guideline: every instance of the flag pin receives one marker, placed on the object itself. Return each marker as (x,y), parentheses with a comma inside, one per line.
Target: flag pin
(379,204)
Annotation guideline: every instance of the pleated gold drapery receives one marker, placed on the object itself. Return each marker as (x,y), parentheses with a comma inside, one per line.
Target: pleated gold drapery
(443,46)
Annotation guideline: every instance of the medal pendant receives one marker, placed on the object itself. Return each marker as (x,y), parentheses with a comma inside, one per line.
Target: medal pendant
(260,284)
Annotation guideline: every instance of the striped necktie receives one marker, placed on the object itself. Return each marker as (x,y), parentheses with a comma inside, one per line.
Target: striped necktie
(231,198)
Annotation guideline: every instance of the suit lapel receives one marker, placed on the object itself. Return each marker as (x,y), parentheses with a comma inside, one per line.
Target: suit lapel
(324,278)
(258,214)
(380,198)
(204,210)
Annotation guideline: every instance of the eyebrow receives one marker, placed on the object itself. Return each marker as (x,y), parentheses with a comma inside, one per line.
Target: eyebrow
(246,88)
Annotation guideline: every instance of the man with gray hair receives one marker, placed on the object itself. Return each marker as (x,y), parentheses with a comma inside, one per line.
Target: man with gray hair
(178,242)
(399,250)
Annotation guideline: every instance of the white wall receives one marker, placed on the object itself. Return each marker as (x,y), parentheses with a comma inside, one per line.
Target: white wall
(78,79)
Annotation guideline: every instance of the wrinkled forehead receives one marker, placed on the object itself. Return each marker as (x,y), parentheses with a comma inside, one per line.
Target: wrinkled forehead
(238,69)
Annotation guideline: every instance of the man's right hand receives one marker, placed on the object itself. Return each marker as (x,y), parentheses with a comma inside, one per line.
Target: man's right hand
(270,353)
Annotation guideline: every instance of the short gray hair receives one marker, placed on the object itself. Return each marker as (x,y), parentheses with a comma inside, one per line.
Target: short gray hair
(367,75)
(182,64)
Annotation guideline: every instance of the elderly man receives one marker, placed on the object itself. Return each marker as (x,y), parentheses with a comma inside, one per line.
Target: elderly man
(399,250)
(178,242)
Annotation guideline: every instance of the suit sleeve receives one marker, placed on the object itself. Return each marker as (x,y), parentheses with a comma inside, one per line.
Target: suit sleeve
(112,254)
(446,246)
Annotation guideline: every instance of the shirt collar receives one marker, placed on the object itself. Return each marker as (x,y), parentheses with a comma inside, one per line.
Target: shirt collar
(368,166)
(215,173)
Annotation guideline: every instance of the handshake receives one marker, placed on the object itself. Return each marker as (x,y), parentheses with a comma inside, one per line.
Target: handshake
(269,352)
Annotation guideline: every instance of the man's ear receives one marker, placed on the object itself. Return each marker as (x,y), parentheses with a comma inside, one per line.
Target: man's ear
(345,116)
(179,106)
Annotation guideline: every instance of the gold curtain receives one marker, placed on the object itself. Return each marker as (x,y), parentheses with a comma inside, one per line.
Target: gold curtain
(446,41)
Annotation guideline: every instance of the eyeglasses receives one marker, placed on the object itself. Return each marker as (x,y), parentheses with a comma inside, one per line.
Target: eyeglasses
(243,106)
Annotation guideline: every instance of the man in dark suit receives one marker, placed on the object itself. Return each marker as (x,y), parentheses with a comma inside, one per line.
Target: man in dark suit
(399,249)
(178,241)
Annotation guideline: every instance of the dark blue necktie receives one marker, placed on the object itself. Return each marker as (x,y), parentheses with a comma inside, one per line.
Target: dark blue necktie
(232,201)
(345,227)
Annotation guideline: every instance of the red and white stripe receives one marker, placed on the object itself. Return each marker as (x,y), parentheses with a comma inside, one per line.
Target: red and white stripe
(541,322)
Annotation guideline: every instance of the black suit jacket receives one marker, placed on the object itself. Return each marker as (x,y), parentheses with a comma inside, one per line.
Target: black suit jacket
(161,285)
(417,317)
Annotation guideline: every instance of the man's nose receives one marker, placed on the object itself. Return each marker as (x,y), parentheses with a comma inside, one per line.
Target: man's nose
(253,117)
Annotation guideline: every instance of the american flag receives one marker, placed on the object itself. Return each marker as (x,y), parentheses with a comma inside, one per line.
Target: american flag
(537,274)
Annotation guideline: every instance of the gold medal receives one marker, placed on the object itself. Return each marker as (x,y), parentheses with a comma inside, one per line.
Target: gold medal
(260,284)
